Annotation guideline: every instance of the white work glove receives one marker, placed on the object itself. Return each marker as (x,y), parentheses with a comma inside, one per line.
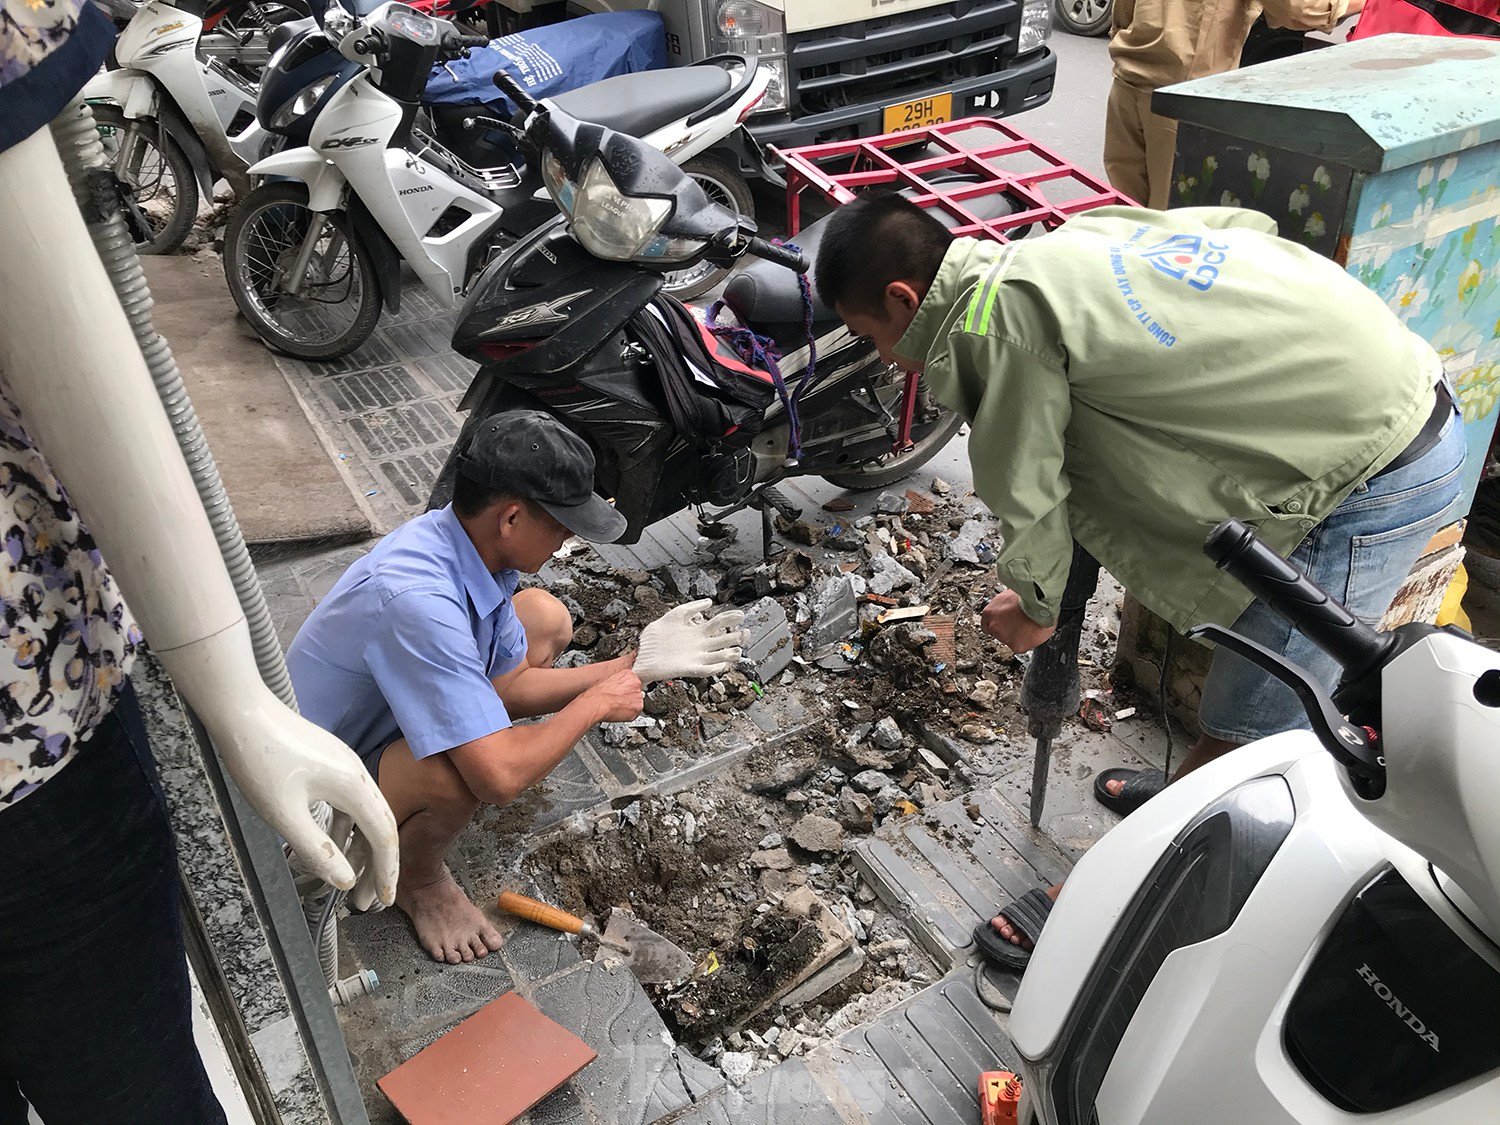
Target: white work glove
(684,643)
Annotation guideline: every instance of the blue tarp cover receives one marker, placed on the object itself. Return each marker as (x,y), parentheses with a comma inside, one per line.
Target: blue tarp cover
(554,59)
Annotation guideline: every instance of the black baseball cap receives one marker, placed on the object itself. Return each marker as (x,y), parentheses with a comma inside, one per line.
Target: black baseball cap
(531,454)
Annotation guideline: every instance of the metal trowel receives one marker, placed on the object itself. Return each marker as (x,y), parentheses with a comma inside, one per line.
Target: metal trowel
(652,958)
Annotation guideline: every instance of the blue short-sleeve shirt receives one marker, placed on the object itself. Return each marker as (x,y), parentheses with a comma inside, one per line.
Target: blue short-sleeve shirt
(407,642)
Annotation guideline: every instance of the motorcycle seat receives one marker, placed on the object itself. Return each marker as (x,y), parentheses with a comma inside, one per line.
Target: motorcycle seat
(765,296)
(641,103)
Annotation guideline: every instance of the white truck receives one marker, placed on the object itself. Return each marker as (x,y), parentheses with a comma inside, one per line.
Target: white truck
(851,68)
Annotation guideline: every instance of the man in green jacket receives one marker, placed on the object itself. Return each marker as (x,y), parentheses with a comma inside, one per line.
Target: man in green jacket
(1134,378)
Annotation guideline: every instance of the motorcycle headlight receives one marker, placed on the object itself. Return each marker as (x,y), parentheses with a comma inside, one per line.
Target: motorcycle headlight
(670,250)
(555,179)
(610,224)
(303,103)
(1194,893)
(1036,25)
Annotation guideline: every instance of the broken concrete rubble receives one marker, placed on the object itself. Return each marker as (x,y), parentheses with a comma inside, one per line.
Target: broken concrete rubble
(692,582)
(771,859)
(768,646)
(886,734)
(737,1066)
(972,545)
(886,574)
(835,613)
(885,745)
(984,694)
(856,812)
(816,833)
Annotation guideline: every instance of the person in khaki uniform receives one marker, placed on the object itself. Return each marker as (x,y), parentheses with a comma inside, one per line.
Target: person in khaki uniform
(1156,43)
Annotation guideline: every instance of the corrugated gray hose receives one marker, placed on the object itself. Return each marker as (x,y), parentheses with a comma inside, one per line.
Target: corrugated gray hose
(95,188)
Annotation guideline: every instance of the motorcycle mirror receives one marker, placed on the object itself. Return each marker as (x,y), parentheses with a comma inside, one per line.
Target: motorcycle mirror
(336,19)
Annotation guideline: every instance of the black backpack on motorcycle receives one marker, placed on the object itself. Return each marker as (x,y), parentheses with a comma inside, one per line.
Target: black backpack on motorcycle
(715,398)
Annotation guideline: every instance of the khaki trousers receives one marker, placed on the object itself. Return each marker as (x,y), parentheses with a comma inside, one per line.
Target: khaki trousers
(1138,146)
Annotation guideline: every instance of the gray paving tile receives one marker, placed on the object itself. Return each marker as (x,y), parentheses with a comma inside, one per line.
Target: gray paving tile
(407,480)
(363,391)
(635,1079)
(447,373)
(534,953)
(374,352)
(418,995)
(916,895)
(417,337)
(563,1106)
(787,1094)
(920,1063)
(389,433)
(978,892)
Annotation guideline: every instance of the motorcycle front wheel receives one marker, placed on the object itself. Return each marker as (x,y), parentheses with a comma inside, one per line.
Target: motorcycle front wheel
(156,178)
(333,307)
(892,467)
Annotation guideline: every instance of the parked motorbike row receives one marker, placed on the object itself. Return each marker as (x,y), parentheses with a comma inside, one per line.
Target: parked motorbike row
(345,180)
(178,114)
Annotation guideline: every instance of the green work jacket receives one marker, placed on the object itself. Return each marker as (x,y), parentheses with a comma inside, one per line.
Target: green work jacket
(1135,377)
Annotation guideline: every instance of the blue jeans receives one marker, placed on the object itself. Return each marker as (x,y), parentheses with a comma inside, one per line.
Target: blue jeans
(1360,554)
(95,1005)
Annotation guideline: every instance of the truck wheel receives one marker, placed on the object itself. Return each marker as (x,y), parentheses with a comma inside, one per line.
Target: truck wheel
(726,187)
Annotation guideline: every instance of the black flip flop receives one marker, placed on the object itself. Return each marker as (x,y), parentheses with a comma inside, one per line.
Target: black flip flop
(1140,786)
(1028,914)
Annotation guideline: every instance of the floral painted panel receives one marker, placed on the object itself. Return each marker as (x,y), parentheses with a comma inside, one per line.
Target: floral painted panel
(1426,239)
(1307,197)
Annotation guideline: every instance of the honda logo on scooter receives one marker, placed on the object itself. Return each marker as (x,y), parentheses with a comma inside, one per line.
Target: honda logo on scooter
(348,142)
(1382,990)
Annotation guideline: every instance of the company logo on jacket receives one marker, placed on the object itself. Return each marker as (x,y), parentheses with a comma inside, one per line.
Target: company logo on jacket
(1190,258)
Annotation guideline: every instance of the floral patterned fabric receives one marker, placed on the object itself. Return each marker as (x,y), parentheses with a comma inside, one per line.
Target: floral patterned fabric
(66,636)
(48,50)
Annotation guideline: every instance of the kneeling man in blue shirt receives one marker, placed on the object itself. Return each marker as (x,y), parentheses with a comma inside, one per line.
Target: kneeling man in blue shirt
(424,653)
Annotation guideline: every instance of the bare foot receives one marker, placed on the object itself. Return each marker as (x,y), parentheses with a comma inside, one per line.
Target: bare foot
(449,926)
(1003,927)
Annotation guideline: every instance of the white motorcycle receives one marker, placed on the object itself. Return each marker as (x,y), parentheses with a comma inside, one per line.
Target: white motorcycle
(174,118)
(1306,930)
(312,262)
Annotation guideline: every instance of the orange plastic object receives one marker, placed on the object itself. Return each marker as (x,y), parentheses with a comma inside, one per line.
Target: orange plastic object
(999,1097)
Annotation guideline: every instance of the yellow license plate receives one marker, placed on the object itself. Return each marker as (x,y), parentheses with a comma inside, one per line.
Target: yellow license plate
(918,114)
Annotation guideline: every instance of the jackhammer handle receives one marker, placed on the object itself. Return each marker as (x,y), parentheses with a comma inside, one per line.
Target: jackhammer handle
(1049,690)
(540,913)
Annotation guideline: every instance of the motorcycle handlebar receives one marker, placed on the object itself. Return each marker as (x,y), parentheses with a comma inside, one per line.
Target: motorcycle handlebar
(461,42)
(781,255)
(1297,598)
(513,90)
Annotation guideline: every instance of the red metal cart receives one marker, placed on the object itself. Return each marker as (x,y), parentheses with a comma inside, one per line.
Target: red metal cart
(990,156)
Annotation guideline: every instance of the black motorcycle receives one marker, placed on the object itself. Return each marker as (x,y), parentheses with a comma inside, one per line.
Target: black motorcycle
(572,320)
